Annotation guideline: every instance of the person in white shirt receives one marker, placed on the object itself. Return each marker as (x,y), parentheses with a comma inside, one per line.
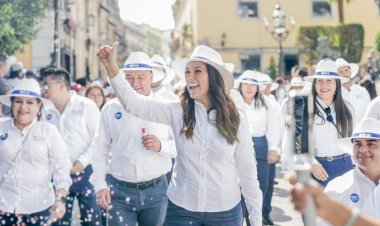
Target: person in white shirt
(265,135)
(133,161)
(214,149)
(76,118)
(332,120)
(373,109)
(32,153)
(360,187)
(356,95)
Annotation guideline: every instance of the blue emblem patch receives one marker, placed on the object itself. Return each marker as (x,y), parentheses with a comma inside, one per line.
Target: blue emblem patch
(49,116)
(4,136)
(354,197)
(118,115)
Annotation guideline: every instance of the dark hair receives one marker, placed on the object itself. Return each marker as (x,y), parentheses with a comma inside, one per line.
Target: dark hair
(96,86)
(259,99)
(302,72)
(3,58)
(58,73)
(370,87)
(343,115)
(38,101)
(227,115)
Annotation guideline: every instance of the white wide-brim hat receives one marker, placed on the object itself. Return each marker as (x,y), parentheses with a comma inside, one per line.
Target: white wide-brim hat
(249,77)
(340,62)
(25,88)
(158,61)
(265,79)
(206,55)
(139,61)
(368,128)
(297,81)
(326,69)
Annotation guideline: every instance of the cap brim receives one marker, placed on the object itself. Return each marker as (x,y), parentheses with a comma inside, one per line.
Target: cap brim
(354,69)
(6,100)
(179,67)
(311,78)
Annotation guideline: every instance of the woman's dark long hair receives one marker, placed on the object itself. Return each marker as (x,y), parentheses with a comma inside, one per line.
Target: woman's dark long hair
(344,119)
(227,115)
(259,99)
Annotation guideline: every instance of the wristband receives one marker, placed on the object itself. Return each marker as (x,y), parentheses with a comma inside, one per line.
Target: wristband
(355,212)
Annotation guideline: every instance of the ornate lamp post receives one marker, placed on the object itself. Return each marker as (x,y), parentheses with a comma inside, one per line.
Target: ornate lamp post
(279,32)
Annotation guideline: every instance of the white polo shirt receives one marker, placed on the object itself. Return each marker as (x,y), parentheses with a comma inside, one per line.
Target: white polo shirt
(209,174)
(27,186)
(356,190)
(359,99)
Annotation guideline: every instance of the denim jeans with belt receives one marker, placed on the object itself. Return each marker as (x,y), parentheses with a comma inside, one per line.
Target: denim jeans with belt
(178,216)
(37,219)
(145,205)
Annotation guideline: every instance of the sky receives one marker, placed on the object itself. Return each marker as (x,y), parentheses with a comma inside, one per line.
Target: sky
(156,13)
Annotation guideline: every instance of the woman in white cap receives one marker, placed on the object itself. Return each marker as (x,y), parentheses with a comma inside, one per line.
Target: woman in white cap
(265,135)
(32,153)
(332,120)
(214,158)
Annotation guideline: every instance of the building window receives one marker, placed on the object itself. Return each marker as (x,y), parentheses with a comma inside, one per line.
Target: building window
(321,8)
(251,62)
(248,8)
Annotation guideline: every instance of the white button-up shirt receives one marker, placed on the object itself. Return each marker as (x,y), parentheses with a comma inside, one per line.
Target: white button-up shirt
(359,99)
(373,110)
(26,183)
(77,125)
(209,171)
(356,190)
(118,149)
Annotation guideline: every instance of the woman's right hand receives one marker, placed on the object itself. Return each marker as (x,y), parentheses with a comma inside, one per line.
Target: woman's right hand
(107,55)
(103,198)
(319,172)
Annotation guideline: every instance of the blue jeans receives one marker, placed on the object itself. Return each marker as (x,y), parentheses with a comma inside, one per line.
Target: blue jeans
(82,189)
(147,207)
(178,216)
(335,168)
(35,219)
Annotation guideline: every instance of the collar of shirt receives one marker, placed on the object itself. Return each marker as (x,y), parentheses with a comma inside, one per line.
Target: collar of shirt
(26,129)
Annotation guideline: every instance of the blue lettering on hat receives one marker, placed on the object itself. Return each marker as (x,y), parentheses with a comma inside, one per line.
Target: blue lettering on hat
(354,197)
(49,116)
(118,115)
(4,136)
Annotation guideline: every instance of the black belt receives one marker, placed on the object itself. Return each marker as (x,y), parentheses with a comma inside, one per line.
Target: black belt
(332,158)
(141,185)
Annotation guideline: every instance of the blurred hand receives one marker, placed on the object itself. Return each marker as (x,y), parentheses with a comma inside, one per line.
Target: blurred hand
(151,142)
(319,172)
(107,55)
(272,156)
(103,198)
(77,168)
(57,211)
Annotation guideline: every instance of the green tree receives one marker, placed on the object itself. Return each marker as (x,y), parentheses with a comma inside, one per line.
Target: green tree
(272,68)
(19,23)
(377,42)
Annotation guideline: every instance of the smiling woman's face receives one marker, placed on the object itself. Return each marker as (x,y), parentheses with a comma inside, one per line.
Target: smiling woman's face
(197,81)
(25,110)
(325,88)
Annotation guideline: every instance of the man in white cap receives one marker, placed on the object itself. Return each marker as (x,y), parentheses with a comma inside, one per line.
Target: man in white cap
(356,95)
(76,118)
(359,187)
(131,156)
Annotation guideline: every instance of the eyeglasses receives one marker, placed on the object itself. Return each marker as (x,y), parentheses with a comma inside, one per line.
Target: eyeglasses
(46,85)
(329,116)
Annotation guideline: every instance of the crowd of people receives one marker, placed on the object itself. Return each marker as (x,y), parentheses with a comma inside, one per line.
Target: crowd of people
(137,152)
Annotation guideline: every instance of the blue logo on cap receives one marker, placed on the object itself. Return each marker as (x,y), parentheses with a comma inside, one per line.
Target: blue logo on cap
(354,197)
(4,136)
(118,115)
(49,116)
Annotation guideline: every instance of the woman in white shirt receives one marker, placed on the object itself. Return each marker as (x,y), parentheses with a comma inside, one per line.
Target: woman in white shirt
(214,148)
(32,153)
(264,130)
(332,120)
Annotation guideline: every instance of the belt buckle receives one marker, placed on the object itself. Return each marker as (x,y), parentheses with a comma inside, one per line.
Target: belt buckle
(140,186)
(330,158)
